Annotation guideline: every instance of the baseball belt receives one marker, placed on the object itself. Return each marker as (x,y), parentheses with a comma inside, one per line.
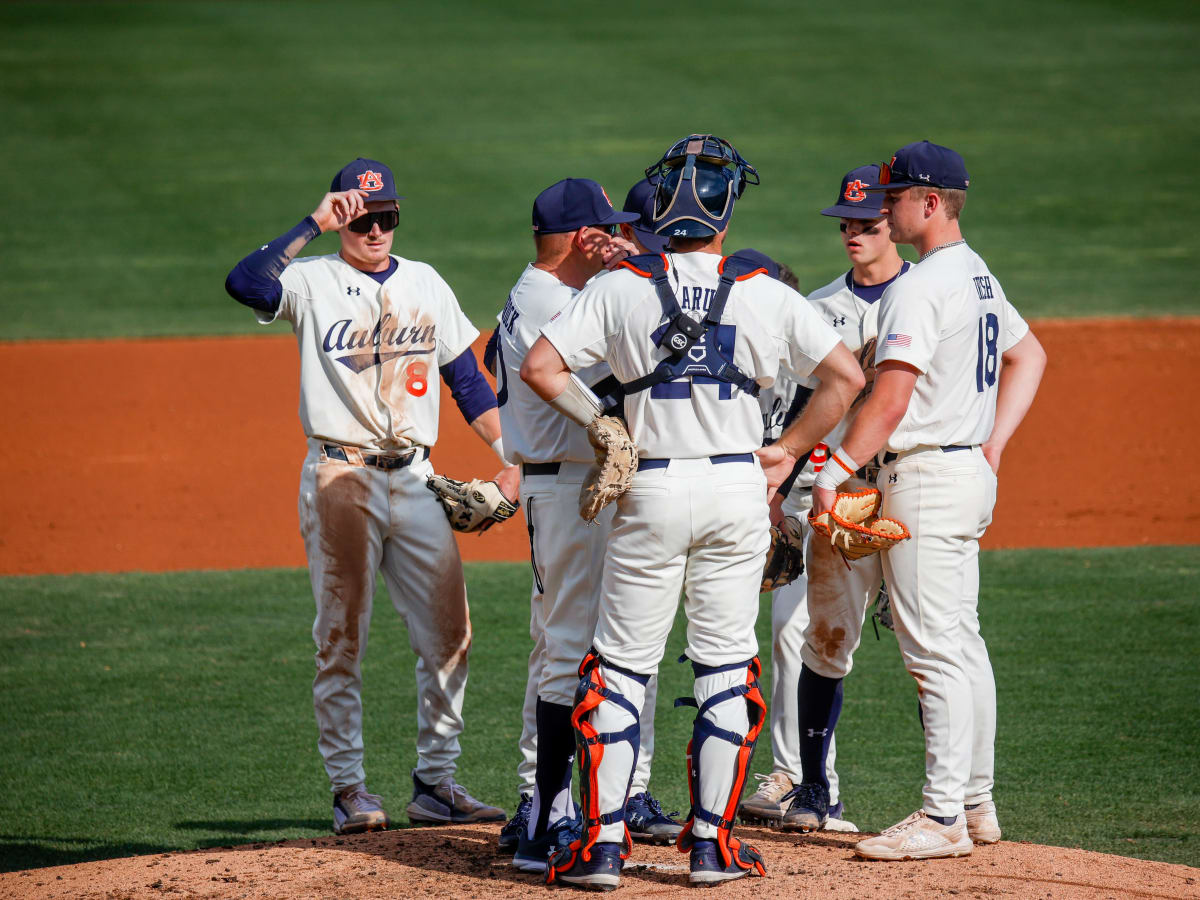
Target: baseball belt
(651,462)
(355,457)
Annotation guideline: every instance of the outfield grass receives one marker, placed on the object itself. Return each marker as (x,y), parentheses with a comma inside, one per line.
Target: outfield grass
(144,713)
(149,146)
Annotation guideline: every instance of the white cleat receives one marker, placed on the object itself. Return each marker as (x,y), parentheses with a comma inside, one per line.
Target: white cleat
(918,837)
(982,825)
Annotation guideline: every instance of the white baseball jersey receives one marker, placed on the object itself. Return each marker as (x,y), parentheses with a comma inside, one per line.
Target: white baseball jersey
(369,352)
(533,430)
(765,323)
(949,318)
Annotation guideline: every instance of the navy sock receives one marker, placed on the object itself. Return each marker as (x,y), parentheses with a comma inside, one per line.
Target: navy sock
(555,753)
(941,820)
(820,704)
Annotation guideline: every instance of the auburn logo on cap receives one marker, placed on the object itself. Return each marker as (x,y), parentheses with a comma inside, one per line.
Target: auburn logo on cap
(856,191)
(370,181)
(605,193)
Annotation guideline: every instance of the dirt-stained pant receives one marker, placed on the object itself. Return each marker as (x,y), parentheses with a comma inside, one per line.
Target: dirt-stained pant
(357,521)
(946,500)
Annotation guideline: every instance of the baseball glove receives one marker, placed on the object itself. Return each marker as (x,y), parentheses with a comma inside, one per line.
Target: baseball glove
(616,461)
(855,527)
(785,557)
(471,506)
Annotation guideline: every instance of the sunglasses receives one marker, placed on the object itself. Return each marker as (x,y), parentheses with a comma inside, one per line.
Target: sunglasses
(387,220)
(607,229)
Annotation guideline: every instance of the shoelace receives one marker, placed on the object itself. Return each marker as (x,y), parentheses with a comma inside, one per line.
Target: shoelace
(902,826)
(773,784)
(360,797)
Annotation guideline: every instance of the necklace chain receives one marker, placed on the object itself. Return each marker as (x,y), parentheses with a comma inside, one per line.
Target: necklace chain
(925,256)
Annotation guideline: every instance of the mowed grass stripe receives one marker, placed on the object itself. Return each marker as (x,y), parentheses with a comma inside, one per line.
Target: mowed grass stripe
(154,712)
(153,145)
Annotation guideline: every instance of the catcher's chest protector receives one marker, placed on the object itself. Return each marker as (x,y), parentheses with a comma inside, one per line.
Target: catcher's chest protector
(702,350)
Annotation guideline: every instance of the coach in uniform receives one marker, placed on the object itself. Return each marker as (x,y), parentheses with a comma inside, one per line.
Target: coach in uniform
(956,370)
(695,517)
(371,327)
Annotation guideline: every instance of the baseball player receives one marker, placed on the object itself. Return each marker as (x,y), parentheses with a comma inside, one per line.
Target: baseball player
(956,371)
(817,619)
(573,222)
(371,328)
(691,336)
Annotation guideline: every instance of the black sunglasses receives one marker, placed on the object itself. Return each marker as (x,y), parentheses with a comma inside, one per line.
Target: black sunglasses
(607,229)
(387,220)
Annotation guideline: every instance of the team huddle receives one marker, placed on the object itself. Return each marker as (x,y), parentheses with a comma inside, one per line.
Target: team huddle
(674,420)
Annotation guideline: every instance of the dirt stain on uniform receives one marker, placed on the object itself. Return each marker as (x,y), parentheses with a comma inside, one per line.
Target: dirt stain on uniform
(452,617)
(348,580)
(826,600)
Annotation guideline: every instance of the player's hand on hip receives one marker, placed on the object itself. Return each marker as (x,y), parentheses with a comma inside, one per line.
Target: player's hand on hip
(777,465)
(992,452)
(508,480)
(823,500)
(338,209)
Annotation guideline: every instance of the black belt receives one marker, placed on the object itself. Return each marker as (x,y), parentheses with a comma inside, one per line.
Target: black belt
(662,463)
(528,469)
(378,460)
(890,457)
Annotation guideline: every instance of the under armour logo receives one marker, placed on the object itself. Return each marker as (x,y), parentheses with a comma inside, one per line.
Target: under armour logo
(856,191)
(370,181)
(892,479)
(838,321)
(924,177)
(353,290)
(812,732)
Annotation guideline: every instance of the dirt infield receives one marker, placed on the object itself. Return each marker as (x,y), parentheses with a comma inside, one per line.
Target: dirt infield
(459,862)
(163,455)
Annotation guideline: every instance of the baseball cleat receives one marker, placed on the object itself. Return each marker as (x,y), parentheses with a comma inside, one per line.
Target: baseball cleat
(767,805)
(533,854)
(510,834)
(809,809)
(448,803)
(708,868)
(982,825)
(600,872)
(647,822)
(918,837)
(356,811)
(837,820)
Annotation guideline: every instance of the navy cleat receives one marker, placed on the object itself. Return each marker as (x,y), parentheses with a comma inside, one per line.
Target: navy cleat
(647,821)
(510,834)
(533,854)
(708,868)
(809,809)
(600,872)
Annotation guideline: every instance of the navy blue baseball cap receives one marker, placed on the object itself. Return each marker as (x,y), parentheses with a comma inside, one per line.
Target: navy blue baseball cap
(856,200)
(573,203)
(640,200)
(368,175)
(924,165)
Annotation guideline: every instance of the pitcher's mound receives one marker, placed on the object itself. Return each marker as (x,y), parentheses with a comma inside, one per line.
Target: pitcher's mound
(461,862)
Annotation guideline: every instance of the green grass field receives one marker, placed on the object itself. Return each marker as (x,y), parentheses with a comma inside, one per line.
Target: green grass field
(145,713)
(148,146)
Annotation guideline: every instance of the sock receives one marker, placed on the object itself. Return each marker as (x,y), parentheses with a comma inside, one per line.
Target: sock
(942,820)
(552,779)
(819,705)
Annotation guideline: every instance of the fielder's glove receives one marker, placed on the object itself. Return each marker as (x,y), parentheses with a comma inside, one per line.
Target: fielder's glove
(616,462)
(855,527)
(785,558)
(472,506)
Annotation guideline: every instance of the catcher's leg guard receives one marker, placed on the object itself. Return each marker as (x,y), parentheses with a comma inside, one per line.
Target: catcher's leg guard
(731,710)
(605,718)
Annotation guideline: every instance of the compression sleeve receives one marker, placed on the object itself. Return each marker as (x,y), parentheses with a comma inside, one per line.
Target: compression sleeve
(470,391)
(489,353)
(255,280)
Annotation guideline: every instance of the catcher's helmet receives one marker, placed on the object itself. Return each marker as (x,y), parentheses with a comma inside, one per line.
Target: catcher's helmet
(699,178)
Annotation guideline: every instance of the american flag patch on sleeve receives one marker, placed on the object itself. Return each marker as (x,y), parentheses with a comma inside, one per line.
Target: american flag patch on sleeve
(898,340)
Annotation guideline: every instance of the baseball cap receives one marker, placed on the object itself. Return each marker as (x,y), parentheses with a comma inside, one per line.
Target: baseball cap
(640,200)
(855,199)
(368,175)
(573,203)
(923,164)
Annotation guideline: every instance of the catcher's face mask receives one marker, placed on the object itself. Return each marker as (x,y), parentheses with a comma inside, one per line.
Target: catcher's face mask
(699,178)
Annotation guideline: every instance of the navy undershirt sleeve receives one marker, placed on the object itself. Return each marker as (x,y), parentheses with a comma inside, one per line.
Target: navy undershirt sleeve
(468,387)
(489,353)
(255,280)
